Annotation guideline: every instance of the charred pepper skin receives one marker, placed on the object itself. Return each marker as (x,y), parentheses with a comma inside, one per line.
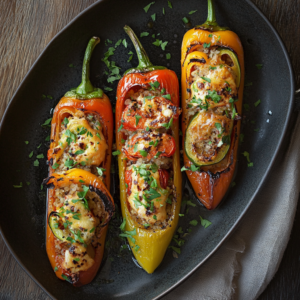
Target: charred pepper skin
(89,100)
(211,182)
(153,244)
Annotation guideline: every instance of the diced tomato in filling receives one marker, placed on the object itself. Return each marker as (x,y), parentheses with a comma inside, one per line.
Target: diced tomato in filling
(128,180)
(163,178)
(149,145)
(150,113)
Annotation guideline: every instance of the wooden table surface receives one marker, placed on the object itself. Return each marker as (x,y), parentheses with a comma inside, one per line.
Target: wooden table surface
(27,27)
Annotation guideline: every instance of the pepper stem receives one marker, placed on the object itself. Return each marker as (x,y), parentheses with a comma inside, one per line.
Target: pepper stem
(211,21)
(144,60)
(145,64)
(211,16)
(86,86)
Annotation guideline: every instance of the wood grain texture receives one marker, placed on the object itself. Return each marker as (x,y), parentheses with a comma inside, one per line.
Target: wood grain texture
(28,26)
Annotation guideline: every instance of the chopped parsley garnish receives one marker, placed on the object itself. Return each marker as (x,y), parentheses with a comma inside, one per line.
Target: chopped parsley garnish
(47,122)
(205,223)
(246,154)
(168,96)
(170,4)
(212,68)
(66,121)
(30,154)
(55,269)
(129,234)
(219,127)
(143,153)
(177,250)
(153,17)
(205,45)
(210,35)
(108,89)
(144,34)
(26,142)
(168,56)
(184,169)
(124,42)
(120,128)
(40,156)
(194,168)
(92,230)
(257,103)
(118,152)
(206,79)
(69,163)
(136,248)
(154,85)
(192,12)
(146,8)
(18,186)
(163,45)
(55,166)
(213,95)
(190,203)
(36,163)
(137,119)
(259,66)
(100,171)
(152,194)
(168,125)
(185,20)
(157,42)
(82,181)
(194,222)
(158,154)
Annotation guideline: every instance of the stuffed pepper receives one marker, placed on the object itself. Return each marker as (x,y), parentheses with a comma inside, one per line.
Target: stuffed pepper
(147,115)
(81,138)
(79,209)
(212,83)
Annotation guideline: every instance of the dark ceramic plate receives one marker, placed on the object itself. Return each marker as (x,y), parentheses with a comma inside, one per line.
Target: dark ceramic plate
(22,210)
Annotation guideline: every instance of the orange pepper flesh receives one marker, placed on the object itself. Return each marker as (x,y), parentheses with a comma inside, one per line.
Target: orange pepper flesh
(210,189)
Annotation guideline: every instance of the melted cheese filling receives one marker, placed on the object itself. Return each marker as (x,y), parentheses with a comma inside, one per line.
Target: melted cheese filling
(138,188)
(77,259)
(86,145)
(81,218)
(213,77)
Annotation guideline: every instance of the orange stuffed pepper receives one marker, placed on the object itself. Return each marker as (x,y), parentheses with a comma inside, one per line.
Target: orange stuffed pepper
(212,61)
(79,204)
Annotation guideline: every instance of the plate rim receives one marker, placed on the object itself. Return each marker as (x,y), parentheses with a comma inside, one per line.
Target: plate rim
(266,174)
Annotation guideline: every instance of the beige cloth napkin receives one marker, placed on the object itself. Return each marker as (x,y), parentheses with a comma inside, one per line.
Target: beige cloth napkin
(245,264)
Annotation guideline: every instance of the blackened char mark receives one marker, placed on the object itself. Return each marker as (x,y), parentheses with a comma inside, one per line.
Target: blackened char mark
(48,185)
(200,60)
(109,207)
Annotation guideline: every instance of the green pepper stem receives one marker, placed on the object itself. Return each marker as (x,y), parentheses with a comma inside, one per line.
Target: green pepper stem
(211,21)
(86,86)
(144,61)
(211,16)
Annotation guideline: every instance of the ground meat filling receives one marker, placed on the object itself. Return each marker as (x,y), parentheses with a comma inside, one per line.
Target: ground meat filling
(149,146)
(80,215)
(81,144)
